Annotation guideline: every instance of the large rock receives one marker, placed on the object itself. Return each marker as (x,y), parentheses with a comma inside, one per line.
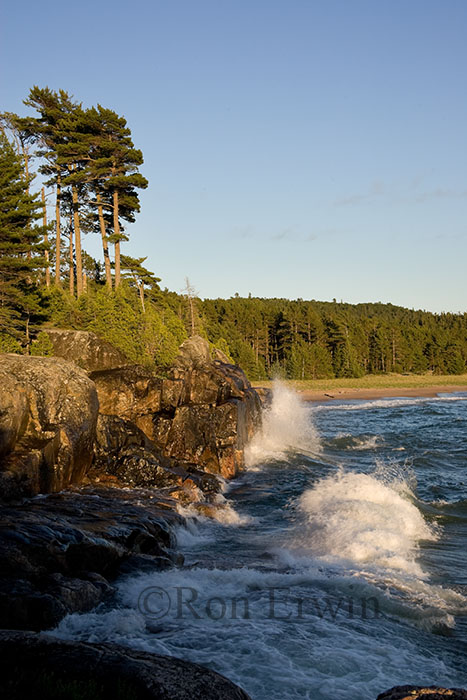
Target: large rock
(59,554)
(212,437)
(203,413)
(31,665)
(48,414)
(209,411)
(194,352)
(125,455)
(85,349)
(132,393)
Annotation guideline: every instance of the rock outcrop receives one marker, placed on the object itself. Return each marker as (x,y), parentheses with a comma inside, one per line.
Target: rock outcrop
(48,415)
(60,553)
(125,456)
(101,671)
(86,350)
(204,413)
(167,439)
(132,393)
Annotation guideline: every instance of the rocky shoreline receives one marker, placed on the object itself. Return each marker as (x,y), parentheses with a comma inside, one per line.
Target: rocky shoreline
(96,458)
(97,455)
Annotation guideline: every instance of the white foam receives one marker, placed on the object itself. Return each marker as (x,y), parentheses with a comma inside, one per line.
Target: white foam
(360,404)
(359,519)
(189,535)
(220,510)
(287,426)
(270,658)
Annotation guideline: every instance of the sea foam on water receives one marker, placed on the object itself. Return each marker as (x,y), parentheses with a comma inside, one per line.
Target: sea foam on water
(366,523)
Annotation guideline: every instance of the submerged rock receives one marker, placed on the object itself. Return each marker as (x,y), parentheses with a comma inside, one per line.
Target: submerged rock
(419,692)
(48,415)
(39,664)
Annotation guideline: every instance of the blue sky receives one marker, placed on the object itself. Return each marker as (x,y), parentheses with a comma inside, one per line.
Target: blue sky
(293,148)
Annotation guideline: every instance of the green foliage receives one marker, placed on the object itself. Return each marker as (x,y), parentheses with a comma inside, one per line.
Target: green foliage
(9,344)
(150,338)
(42,345)
(312,340)
(222,345)
(21,247)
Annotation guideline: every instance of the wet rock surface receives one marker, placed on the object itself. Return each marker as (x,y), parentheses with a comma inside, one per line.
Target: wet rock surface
(204,412)
(154,445)
(102,671)
(125,456)
(418,692)
(60,553)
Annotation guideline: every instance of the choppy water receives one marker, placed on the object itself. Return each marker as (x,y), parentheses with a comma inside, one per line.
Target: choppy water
(342,568)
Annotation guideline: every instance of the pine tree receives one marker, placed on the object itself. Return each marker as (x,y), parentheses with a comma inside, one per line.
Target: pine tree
(21,245)
(49,131)
(134,271)
(115,177)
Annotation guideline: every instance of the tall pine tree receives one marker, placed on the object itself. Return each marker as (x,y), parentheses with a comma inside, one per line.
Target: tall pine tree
(21,245)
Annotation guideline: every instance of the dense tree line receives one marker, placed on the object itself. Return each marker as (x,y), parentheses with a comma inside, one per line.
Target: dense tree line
(89,165)
(311,339)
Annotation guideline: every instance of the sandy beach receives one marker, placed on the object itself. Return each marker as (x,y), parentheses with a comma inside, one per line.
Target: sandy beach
(378,393)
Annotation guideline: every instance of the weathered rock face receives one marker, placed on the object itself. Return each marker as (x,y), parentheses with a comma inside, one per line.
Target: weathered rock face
(132,393)
(29,662)
(59,554)
(48,415)
(209,411)
(86,350)
(204,413)
(418,692)
(126,457)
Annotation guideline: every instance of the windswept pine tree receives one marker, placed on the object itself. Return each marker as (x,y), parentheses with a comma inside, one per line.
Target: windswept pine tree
(50,132)
(115,179)
(90,154)
(21,245)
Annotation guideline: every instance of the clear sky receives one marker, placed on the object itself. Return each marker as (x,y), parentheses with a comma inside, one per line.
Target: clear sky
(313,149)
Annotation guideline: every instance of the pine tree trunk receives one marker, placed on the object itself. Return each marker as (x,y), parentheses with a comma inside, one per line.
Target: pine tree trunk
(70,254)
(117,242)
(57,233)
(79,262)
(141,296)
(46,240)
(26,171)
(105,245)
(28,337)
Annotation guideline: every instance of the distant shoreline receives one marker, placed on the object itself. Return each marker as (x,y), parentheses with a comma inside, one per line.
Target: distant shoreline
(407,392)
(374,387)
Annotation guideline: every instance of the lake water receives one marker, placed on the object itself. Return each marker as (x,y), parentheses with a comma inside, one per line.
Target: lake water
(340,566)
